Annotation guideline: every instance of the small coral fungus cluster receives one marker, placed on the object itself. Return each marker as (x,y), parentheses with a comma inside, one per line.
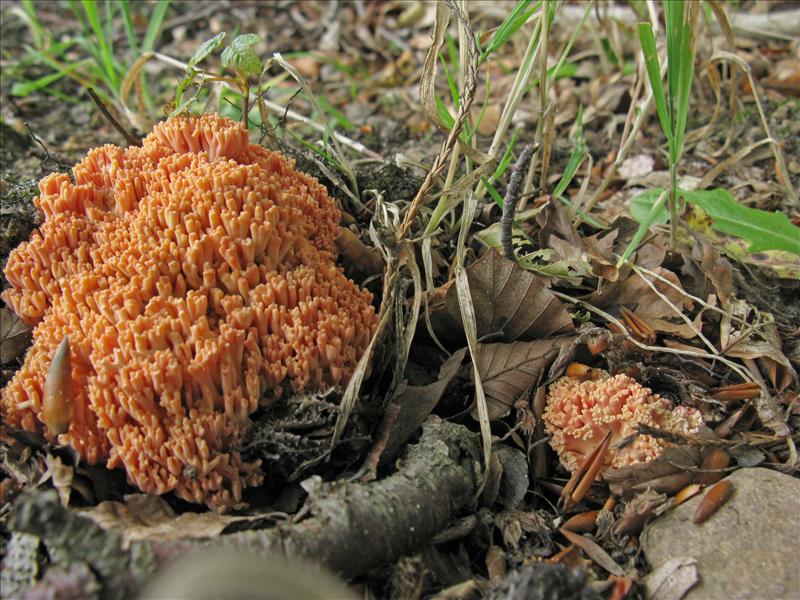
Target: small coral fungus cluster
(580,413)
(193,277)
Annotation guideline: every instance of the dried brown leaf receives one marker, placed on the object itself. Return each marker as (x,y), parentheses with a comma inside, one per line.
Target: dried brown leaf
(510,303)
(595,552)
(15,336)
(507,370)
(417,401)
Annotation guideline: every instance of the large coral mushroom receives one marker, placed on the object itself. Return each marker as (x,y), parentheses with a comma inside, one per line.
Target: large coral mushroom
(193,277)
(578,414)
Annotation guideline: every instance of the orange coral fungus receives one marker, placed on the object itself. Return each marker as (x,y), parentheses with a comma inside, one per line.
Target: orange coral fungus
(579,413)
(194,276)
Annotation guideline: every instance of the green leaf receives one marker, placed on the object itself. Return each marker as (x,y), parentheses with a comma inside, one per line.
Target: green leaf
(649,219)
(154,25)
(763,230)
(506,160)
(240,55)
(642,204)
(27,86)
(493,192)
(518,16)
(648,42)
(444,114)
(575,157)
(207,48)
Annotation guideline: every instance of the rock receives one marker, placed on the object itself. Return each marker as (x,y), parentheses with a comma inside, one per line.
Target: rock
(747,549)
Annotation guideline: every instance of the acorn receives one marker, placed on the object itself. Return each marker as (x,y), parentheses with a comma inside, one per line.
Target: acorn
(57,402)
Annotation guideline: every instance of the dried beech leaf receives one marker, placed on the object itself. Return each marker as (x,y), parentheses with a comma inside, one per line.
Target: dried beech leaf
(417,401)
(510,303)
(636,294)
(507,370)
(144,517)
(15,336)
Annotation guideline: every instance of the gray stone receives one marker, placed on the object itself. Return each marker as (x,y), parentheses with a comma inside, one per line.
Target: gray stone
(749,548)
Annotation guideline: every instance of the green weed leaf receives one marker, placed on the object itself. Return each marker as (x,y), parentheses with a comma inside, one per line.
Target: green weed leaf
(763,230)
(240,55)
(518,16)
(642,204)
(207,48)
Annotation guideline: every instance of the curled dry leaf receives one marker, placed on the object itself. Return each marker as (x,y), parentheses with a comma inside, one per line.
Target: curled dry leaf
(738,391)
(507,370)
(513,523)
(510,304)
(673,579)
(638,512)
(594,551)
(748,333)
(623,479)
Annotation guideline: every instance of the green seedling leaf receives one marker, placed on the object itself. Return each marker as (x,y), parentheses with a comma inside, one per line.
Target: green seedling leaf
(518,16)
(608,50)
(650,218)
(207,48)
(335,113)
(444,114)
(451,83)
(27,87)
(493,192)
(506,160)
(763,230)
(154,25)
(648,42)
(642,204)
(575,157)
(240,55)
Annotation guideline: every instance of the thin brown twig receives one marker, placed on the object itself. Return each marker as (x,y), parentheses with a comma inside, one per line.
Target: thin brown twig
(130,139)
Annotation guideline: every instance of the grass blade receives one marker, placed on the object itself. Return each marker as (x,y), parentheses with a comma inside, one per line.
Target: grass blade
(512,23)
(651,218)
(154,26)
(648,42)
(104,55)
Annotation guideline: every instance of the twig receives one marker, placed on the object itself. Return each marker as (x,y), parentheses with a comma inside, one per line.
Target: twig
(130,139)
(38,141)
(510,201)
(354,527)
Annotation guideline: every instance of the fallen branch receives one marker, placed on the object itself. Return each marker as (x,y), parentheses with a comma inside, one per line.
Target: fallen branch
(354,527)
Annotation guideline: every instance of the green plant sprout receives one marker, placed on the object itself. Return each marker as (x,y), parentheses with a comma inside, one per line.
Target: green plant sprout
(102,71)
(764,230)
